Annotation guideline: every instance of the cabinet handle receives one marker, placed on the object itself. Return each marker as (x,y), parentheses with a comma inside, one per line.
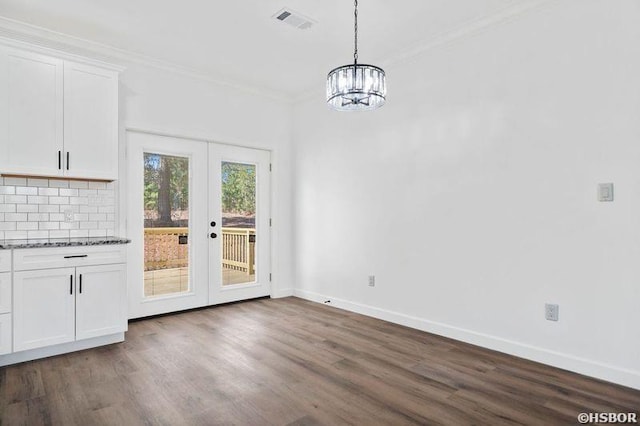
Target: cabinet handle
(67,160)
(70,284)
(80,283)
(76,256)
(59,160)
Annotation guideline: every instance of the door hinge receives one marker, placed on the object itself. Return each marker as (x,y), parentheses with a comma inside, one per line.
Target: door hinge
(269,276)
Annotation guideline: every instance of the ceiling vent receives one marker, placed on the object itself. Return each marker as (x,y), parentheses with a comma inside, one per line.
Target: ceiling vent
(294,18)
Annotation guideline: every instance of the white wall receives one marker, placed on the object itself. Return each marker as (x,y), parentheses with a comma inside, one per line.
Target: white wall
(472,194)
(165,102)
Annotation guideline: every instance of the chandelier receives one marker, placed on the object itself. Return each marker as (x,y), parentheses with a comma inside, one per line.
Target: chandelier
(358,86)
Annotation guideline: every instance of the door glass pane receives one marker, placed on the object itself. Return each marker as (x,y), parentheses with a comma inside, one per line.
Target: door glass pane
(238,223)
(166,224)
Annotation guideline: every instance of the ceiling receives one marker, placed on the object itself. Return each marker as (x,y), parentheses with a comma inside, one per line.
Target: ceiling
(237,40)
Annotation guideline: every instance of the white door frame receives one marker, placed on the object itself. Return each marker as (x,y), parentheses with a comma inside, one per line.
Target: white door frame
(204,206)
(196,151)
(262,285)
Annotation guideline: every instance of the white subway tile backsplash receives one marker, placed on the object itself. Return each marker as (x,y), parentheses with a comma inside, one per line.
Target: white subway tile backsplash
(58,200)
(81,217)
(37,234)
(49,225)
(79,201)
(56,183)
(15,199)
(68,192)
(26,190)
(7,226)
(38,182)
(15,235)
(69,225)
(76,233)
(15,217)
(27,208)
(97,185)
(26,226)
(38,199)
(47,191)
(34,208)
(46,208)
(78,184)
(37,217)
(98,216)
(59,234)
(15,181)
(97,233)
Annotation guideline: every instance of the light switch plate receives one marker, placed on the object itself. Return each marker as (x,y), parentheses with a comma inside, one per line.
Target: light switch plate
(605,192)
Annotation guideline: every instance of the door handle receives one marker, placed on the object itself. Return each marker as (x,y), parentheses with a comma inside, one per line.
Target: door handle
(214,235)
(59,160)
(213,224)
(67,160)
(71,284)
(80,283)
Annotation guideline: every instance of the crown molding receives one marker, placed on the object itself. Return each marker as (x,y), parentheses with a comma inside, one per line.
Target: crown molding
(467,29)
(21,34)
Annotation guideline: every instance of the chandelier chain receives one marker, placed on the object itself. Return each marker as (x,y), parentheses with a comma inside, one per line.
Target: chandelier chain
(355,32)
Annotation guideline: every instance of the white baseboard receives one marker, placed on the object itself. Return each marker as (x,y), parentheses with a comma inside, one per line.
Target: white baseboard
(564,361)
(282,292)
(63,348)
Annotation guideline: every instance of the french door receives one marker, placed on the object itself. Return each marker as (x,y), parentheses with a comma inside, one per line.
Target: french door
(198,218)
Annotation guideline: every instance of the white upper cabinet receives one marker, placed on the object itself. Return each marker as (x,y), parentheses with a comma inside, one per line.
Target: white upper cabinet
(90,122)
(57,117)
(31,113)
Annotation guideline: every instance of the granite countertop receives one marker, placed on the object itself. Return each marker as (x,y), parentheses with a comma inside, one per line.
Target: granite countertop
(61,242)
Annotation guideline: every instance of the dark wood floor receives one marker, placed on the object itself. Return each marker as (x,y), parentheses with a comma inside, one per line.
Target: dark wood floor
(292,362)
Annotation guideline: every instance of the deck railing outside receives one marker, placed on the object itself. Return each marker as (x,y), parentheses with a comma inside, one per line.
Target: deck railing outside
(163,249)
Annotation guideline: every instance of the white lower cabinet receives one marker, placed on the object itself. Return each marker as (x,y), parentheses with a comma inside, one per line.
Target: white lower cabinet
(44,308)
(100,301)
(5,334)
(71,303)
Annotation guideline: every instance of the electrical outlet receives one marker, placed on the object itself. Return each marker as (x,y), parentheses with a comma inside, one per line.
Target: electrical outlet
(68,215)
(372,280)
(551,311)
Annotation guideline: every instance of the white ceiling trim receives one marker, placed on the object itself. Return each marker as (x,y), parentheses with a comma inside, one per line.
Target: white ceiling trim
(48,39)
(464,31)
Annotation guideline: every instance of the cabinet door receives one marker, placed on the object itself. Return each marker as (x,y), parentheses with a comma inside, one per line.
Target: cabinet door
(5,334)
(90,122)
(43,308)
(101,301)
(31,108)
(5,292)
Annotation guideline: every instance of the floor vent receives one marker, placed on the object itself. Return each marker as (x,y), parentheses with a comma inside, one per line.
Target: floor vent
(294,18)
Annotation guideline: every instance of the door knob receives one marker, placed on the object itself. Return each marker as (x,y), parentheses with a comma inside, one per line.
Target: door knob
(213,223)
(214,235)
